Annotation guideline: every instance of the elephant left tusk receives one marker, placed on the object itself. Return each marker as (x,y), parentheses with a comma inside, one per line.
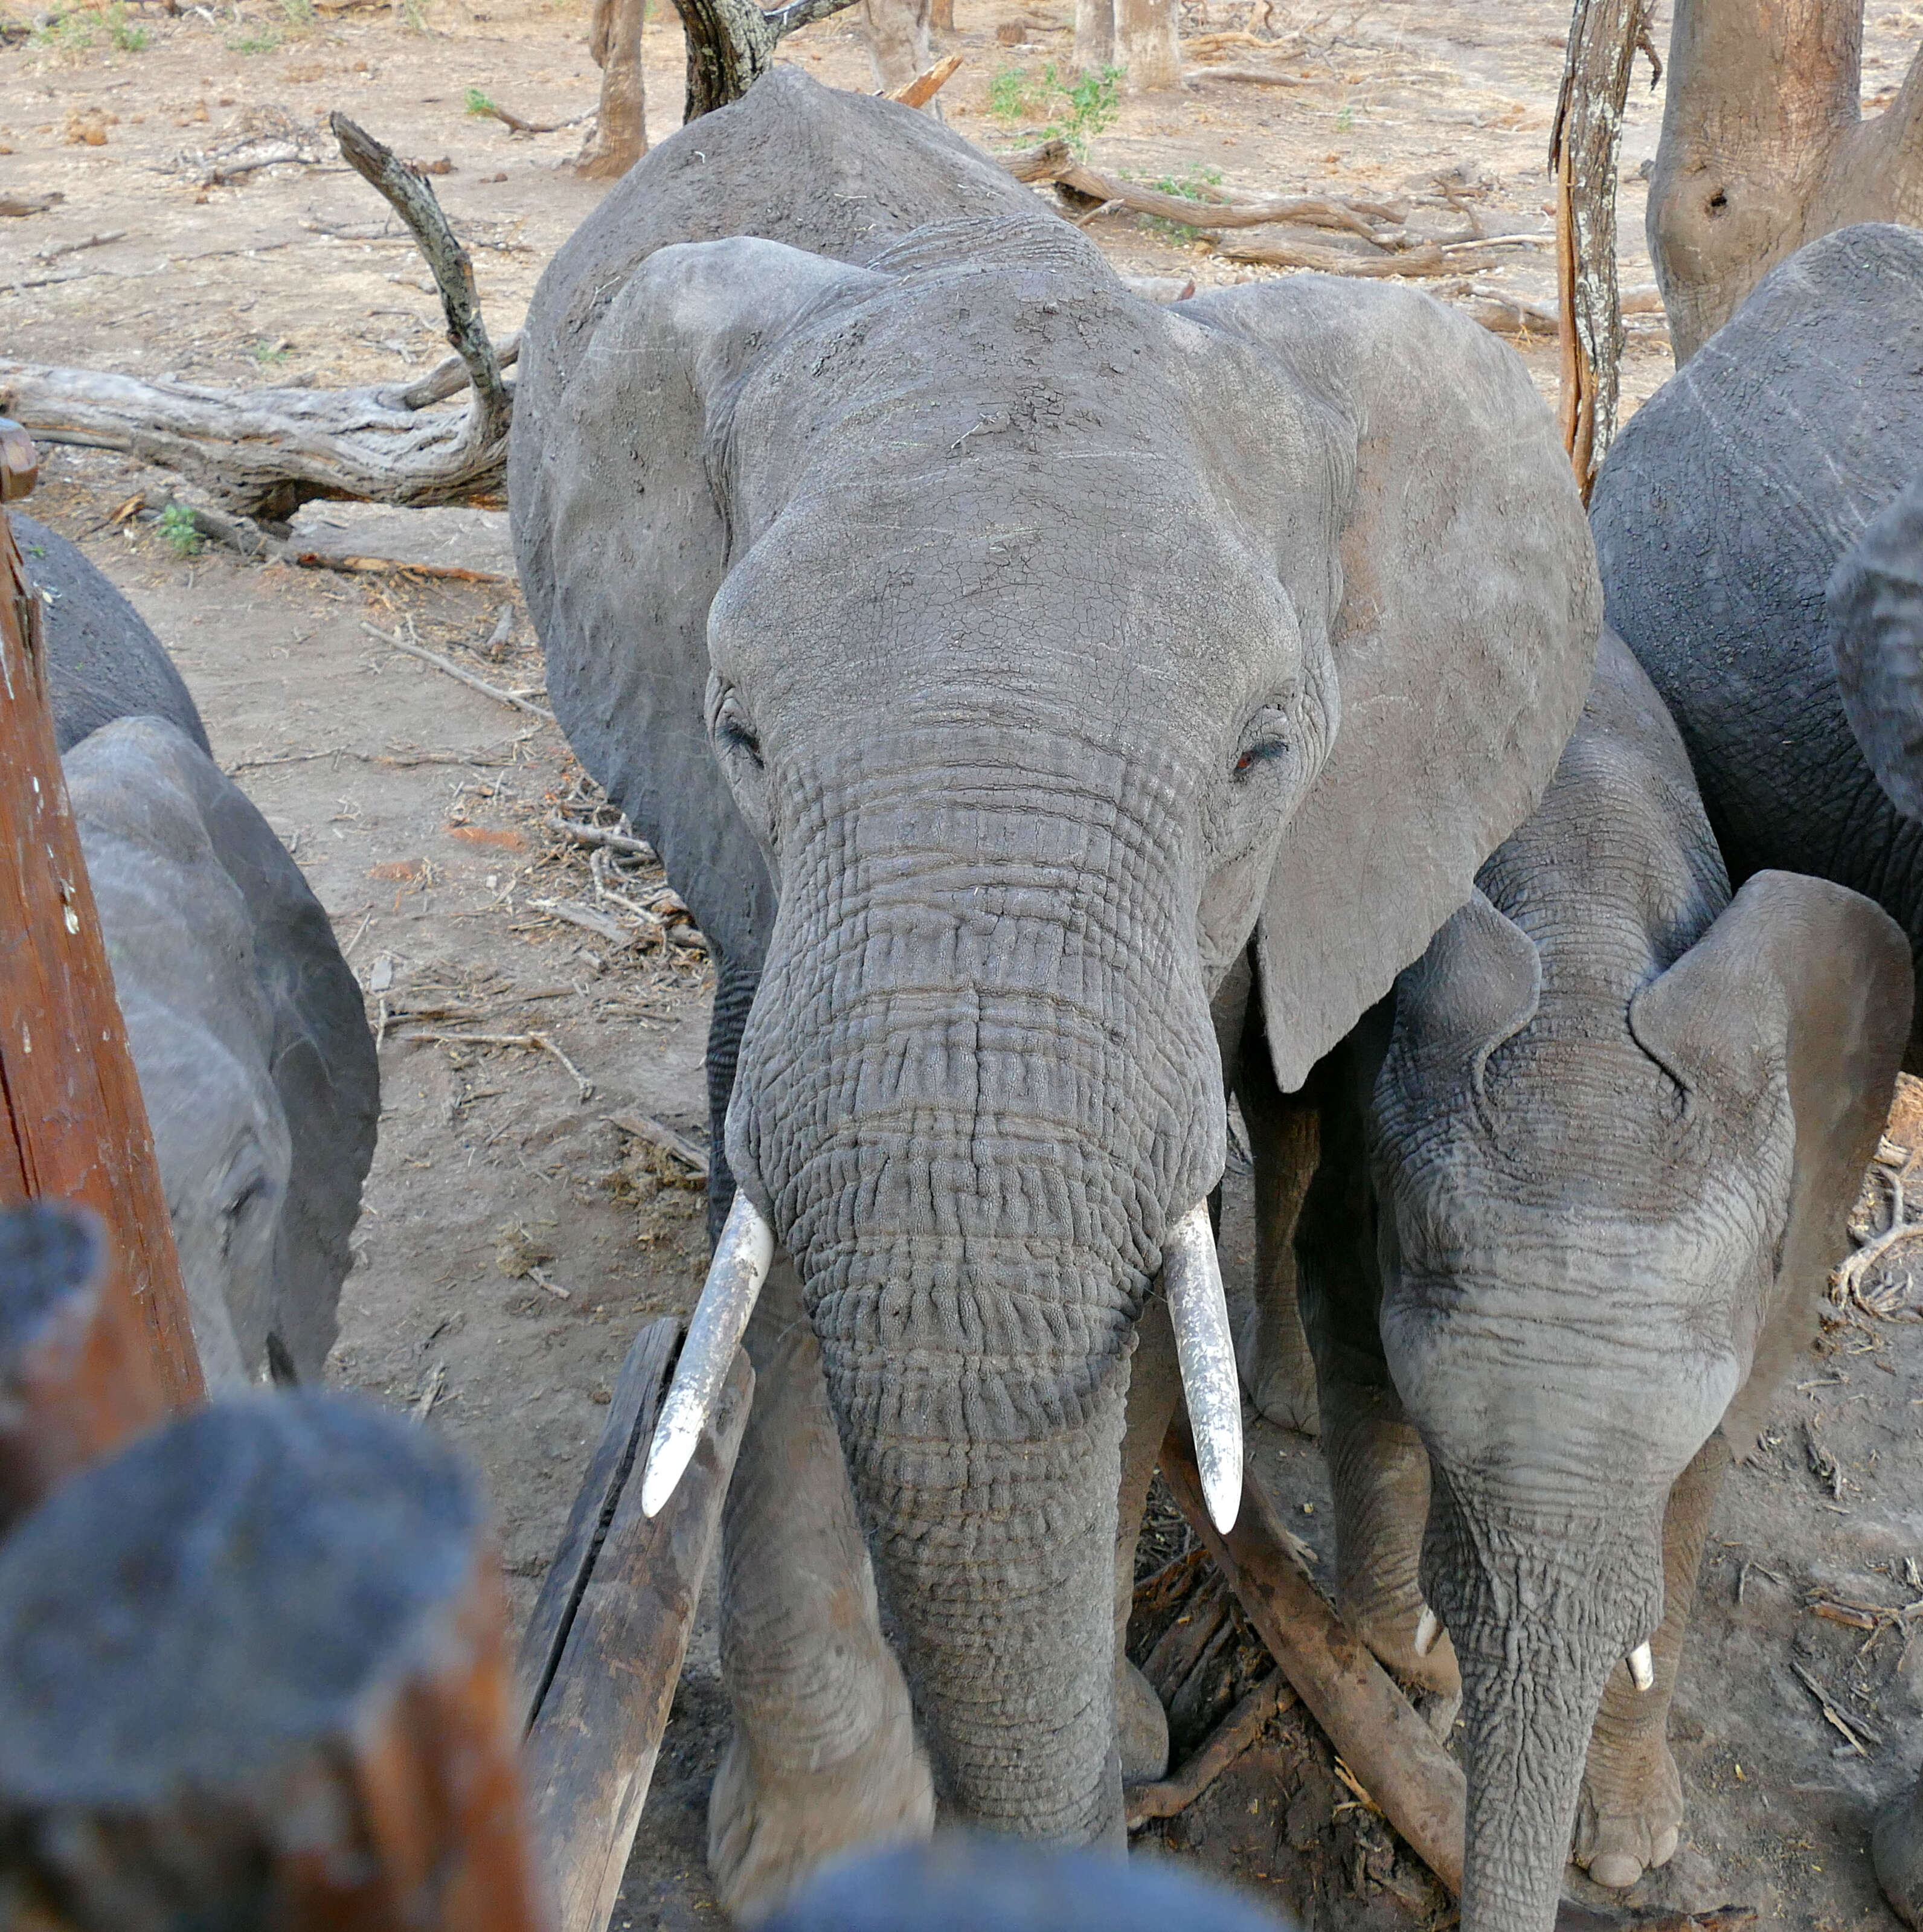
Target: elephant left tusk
(735,1276)
(1642,1667)
(1428,1630)
(1199,1312)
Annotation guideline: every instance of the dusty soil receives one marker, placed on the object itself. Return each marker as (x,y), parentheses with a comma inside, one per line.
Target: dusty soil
(514,1237)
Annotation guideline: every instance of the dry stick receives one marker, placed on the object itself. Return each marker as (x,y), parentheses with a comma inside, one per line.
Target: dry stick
(596,835)
(315,1725)
(450,377)
(1423,262)
(659,1134)
(466,677)
(1370,1723)
(529,1040)
(76,247)
(927,85)
(1584,151)
(1226,1743)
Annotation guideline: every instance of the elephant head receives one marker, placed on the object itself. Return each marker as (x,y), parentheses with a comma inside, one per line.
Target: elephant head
(1610,1193)
(993,657)
(248,1037)
(1874,610)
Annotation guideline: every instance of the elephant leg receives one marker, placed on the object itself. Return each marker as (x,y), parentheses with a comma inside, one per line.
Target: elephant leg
(1155,1386)
(1897,1850)
(1378,1468)
(1630,1815)
(1272,1352)
(823,1757)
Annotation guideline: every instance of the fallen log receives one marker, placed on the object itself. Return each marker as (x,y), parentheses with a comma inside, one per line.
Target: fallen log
(264,451)
(1427,261)
(607,1643)
(1390,1749)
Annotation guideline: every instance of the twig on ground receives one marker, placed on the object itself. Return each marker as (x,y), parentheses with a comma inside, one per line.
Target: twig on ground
(1226,1743)
(466,677)
(515,125)
(597,834)
(542,1041)
(571,912)
(75,247)
(430,1391)
(657,1134)
(1856,1733)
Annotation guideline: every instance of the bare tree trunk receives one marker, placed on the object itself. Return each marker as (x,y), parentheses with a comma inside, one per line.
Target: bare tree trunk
(1094,36)
(1146,44)
(1584,151)
(731,44)
(899,46)
(941,16)
(620,136)
(1764,149)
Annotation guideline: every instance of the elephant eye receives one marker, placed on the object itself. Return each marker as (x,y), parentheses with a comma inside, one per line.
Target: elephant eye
(733,730)
(1265,741)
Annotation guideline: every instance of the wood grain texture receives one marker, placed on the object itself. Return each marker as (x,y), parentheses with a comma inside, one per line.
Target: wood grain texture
(590,1754)
(253,1671)
(1374,1726)
(72,1126)
(621,1449)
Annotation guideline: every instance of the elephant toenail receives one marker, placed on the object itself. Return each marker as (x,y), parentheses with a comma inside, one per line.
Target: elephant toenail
(1665,1849)
(1616,1870)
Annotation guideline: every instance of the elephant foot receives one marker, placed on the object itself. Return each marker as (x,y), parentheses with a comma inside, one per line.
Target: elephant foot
(769,1830)
(1897,1851)
(1142,1726)
(1387,1624)
(1284,1394)
(1630,1819)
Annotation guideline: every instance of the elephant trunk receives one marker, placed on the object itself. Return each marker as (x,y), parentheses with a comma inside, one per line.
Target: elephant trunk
(977,1107)
(1542,1604)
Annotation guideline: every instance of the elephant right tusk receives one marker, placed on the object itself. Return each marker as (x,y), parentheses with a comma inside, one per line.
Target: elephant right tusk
(735,1276)
(1642,1667)
(1428,1628)
(1199,1312)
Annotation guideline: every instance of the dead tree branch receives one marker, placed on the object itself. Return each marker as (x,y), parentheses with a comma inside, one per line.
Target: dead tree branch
(263,452)
(731,44)
(1584,150)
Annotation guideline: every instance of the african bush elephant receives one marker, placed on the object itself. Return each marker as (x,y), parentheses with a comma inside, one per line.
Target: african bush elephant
(1724,509)
(1584,1176)
(997,660)
(247,1027)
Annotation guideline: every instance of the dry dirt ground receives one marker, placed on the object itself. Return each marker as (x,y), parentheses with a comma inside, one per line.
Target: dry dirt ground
(515,1237)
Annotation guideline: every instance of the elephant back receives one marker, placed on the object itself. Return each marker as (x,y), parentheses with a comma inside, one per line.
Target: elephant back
(1719,517)
(102,662)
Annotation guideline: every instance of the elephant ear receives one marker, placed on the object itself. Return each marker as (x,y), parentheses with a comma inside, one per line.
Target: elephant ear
(1875,623)
(1801,989)
(1478,985)
(1463,641)
(622,539)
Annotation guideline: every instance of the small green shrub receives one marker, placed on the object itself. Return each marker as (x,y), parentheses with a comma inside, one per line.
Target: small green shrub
(128,35)
(478,103)
(255,41)
(1080,109)
(269,354)
(1345,120)
(67,31)
(1008,96)
(177,532)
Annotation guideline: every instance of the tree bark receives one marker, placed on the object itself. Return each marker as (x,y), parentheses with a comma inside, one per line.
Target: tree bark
(1764,148)
(731,44)
(1584,151)
(1094,36)
(898,45)
(1146,44)
(620,136)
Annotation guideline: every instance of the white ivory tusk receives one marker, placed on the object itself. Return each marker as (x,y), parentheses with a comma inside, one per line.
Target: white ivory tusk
(1198,1310)
(1642,1667)
(735,1276)
(1428,1628)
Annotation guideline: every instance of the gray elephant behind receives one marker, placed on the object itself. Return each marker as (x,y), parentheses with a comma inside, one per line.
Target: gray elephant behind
(1583,1180)
(247,1027)
(1027,687)
(1725,517)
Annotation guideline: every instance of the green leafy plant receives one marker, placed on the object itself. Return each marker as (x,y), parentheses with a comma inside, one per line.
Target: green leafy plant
(1189,186)
(128,35)
(67,30)
(299,13)
(1078,109)
(478,103)
(178,532)
(255,41)
(268,354)
(1345,120)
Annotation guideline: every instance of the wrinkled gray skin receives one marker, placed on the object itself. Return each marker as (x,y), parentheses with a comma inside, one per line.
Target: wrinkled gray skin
(247,1027)
(966,633)
(1876,636)
(1721,516)
(1583,1177)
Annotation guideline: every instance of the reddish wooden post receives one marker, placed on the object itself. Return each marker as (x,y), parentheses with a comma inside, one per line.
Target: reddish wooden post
(72,1124)
(253,1671)
(75,1382)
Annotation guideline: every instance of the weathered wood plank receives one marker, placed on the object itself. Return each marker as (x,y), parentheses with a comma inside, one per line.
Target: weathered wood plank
(624,1440)
(253,1671)
(590,1755)
(73,1125)
(464,543)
